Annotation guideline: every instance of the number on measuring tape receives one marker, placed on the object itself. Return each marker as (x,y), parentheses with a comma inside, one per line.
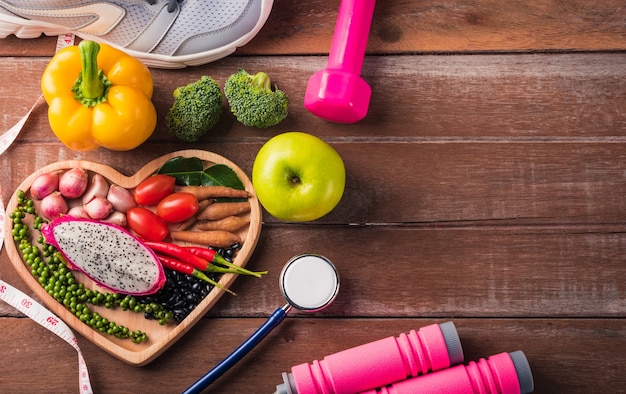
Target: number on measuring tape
(21,301)
(50,321)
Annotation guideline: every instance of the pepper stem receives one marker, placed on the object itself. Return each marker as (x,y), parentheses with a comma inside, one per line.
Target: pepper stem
(198,274)
(91,86)
(219,259)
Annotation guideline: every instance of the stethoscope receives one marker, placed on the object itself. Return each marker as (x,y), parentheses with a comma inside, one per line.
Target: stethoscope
(309,283)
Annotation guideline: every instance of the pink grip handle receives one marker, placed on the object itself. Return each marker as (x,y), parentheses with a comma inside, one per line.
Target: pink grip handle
(380,362)
(347,49)
(504,373)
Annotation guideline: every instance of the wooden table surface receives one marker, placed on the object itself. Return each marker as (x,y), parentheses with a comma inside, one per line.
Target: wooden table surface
(486,186)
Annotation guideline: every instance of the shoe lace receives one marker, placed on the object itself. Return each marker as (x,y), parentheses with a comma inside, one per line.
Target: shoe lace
(171,4)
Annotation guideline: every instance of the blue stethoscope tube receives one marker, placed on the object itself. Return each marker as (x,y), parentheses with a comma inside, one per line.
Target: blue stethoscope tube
(274,319)
(243,349)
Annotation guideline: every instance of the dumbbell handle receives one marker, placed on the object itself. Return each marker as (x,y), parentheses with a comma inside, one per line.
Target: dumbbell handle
(349,42)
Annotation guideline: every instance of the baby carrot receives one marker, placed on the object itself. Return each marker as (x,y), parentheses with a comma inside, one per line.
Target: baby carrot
(229,223)
(206,192)
(218,239)
(222,210)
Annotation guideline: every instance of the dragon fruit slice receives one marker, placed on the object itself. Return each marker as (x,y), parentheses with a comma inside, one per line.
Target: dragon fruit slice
(107,253)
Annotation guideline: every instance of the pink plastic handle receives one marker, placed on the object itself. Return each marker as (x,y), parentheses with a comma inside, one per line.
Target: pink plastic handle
(347,49)
(379,363)
(504,373)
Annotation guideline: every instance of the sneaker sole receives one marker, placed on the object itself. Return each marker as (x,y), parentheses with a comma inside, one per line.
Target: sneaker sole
(28,29)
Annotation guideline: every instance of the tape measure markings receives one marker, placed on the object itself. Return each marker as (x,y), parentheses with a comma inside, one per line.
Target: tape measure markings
(18,299)
(50,321)
(7,138)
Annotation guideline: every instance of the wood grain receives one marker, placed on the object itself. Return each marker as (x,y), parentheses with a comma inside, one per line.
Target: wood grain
(398,27)
(554,349)
(485,186)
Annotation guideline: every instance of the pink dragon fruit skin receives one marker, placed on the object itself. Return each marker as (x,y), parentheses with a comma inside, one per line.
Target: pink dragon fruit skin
(107,253)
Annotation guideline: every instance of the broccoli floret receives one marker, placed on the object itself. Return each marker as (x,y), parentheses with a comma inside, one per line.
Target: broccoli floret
(253,101)
(196,110)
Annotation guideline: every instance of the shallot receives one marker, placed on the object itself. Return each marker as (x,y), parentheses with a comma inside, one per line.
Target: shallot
(98,187)
(44,184)
(73,183)
(78,212)
(118,218)
(98,208)
(53,205)
(121,198)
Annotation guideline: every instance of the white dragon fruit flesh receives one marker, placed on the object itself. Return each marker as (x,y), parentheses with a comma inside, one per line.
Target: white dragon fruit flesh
(106,253)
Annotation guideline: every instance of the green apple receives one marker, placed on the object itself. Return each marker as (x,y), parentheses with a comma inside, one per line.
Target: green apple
(298,177)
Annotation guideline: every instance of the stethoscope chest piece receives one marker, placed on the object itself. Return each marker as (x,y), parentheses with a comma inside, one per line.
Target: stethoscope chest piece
(309,282)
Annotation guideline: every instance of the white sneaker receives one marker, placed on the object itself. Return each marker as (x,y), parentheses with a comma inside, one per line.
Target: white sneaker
(161,33)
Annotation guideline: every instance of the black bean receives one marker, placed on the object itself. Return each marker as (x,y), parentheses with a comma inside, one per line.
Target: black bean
(180,294)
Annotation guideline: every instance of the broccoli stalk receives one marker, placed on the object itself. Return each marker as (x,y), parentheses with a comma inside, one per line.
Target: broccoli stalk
(253,101)
(196,110)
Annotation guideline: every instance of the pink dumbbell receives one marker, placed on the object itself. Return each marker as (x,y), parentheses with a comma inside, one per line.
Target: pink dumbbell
(338,93)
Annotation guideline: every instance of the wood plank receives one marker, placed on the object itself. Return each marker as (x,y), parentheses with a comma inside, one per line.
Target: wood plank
(442,98)
(501,161)
(406,272)
(499,271)
(556,350)
(427,27)
(428,182)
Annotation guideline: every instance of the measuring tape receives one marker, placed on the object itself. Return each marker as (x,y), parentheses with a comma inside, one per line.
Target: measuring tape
(15,297)
(50,321)
(7,138)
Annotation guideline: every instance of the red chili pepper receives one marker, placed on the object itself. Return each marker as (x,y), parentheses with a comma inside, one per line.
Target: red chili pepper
(206,253)
(214,257)
(175,265)
(179,266)
(180,253)
(189,258)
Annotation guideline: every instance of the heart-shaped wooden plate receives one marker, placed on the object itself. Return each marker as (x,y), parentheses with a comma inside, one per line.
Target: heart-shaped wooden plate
(161,337)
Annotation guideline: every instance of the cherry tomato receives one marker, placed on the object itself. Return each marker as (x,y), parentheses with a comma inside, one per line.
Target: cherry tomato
(177,207)
(146,224)
(153,189)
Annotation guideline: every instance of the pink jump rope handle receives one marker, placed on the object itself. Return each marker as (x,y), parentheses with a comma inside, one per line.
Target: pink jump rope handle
(504,373)
(377,363)
(338,93)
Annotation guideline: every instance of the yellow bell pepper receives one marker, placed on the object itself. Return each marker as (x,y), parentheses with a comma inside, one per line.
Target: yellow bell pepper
(98,96)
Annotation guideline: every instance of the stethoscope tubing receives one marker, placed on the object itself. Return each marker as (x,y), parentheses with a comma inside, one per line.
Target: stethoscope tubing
(272,322)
